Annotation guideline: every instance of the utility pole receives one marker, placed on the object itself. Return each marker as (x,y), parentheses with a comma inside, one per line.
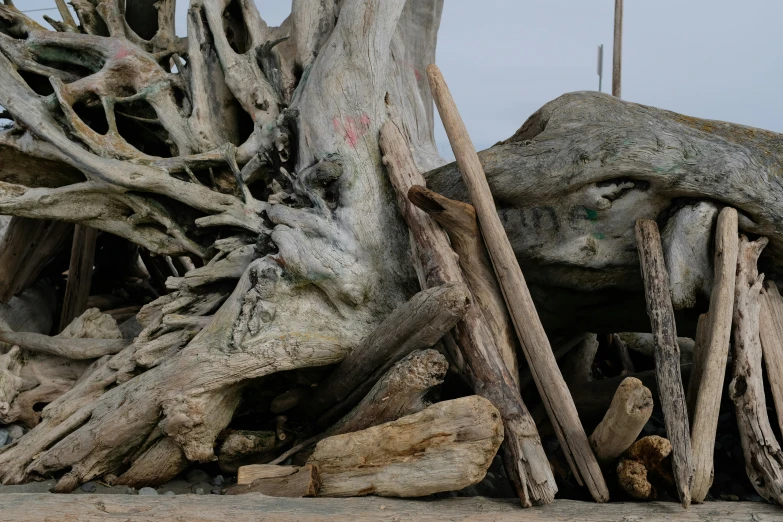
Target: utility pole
(617,53)
(600,66)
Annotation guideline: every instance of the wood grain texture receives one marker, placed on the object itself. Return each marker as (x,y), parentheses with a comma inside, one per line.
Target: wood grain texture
(535,345)
(301,482)
(771,333)
(258,508)
(617,50)
(445,447)
(523,455)
(712,355)
(629,411)
(763,456)
(77,289)
(667,354)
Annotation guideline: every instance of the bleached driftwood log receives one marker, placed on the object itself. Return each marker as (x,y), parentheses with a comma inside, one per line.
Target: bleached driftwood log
(771,334)
(713,354)
(175,143)
(763,456)
(458,219)
(77,289)
(445,447)
(523,453)
(629,411)
(240,446)
(535,344)
(667,355)
(293,482)
(644,343)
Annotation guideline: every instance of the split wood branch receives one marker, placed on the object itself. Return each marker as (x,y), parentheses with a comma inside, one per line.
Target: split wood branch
(535,345)
(523,455)
(771,333)
(713,354)
(445,447)
(763,456)
(295,482)
(77,289)
(629,411)
(667,354)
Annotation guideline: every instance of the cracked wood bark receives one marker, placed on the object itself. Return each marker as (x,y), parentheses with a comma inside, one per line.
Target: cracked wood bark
(629,411)
(763,456)
(459,221)
(535,345)
(445,447)
(77,289)
(27,246)
(523,454)
(771,333)
(712,357)
(667,355)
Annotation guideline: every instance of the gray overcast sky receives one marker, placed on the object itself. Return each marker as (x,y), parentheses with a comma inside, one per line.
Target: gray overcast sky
(503,59)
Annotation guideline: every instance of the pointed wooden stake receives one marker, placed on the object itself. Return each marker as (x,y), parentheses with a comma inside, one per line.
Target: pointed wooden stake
(535,345)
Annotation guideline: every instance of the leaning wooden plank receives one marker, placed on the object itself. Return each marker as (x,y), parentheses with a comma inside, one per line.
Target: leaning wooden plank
(27,246)
(771,333)
(419,323)
(713,353)
(629,411)
(458,219)
(523,455)
(77,289)
(551,386)
(667,354)
(302,482)
(763,457)
(445,447)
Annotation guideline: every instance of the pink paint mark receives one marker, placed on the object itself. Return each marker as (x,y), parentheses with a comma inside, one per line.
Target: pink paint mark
(351,135)
(417,73)
(351,129)
(337,125)
(365,121)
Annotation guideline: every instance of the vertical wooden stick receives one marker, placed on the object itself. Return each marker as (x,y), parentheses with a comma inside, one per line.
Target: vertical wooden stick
(551,386)
(763,456)
(667,354)
(771,333)
(617,53)
(714,353)
(523,455)
(77,289)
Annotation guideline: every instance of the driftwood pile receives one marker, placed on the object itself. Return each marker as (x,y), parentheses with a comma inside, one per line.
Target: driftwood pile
(231,274)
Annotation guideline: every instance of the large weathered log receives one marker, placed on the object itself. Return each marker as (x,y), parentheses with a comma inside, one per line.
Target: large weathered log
(524,458)
(629,411)
(771,334)
(711,360)
(535,345)
(419,323)
(763,456)
(667,355)
(445,447)
(458,219)
(27,246)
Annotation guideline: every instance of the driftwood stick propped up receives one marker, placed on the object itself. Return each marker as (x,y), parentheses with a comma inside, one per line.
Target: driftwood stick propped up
(417,324)
(629,411)
(625,356)
(763,456)
(771,333)
(445,447)
(697,364)
(667,354)
(526,464)
(458,219)
(535,345)
(77,289)
(713,352)
(27,246)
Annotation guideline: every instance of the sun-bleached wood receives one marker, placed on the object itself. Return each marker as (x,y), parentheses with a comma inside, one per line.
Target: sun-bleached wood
(697,364)
(771,333)
(445,447)
(523,455)
(535,345)
(712,356)
(77,289)
(629,411)
(458,219)
(763,456)
(617,50)
(247,474)
(292,481)
(667,354)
